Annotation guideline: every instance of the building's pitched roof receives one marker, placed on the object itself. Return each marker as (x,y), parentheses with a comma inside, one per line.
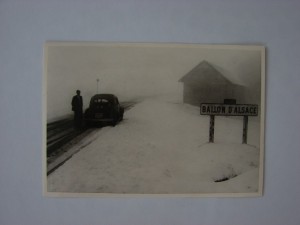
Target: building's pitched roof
(206,73)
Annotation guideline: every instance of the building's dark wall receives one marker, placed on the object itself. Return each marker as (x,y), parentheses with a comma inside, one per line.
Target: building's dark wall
(214,93)
(205,84)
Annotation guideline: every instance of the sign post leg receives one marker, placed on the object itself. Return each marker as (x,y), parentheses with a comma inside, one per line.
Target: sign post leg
(245,129)
(211,128)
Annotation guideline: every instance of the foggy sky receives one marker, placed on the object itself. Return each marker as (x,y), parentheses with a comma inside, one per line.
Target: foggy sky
(135,70)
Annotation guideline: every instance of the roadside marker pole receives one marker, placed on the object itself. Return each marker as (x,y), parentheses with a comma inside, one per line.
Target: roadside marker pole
(211,128)
(245,129)
(97,85)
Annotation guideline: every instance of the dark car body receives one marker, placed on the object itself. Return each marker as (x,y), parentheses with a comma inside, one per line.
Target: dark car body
(104,109)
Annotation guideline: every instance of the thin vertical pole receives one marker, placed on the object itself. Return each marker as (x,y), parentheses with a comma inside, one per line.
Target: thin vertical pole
(97,85)
(211,128)
(245,129)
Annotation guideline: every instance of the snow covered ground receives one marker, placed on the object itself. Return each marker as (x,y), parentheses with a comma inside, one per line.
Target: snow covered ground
(162,147)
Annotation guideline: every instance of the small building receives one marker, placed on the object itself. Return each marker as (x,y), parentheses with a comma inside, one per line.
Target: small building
(205,84)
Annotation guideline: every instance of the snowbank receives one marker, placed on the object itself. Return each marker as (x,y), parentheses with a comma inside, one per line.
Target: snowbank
(161,147)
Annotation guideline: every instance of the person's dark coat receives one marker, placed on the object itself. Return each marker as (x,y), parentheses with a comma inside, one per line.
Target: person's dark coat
(77,105)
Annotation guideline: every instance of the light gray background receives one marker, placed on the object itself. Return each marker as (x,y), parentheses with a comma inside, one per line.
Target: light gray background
(26,25)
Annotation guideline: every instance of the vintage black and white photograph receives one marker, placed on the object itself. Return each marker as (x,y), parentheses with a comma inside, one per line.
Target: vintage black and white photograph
(153,118)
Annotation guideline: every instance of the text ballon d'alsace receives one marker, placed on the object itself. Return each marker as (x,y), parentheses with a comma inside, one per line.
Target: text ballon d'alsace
(229,110)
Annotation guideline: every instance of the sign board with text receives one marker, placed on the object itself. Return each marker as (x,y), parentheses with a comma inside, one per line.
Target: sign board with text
(228,110)
(218,109)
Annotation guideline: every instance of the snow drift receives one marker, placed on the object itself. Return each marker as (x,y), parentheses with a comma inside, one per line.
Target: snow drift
(161,147)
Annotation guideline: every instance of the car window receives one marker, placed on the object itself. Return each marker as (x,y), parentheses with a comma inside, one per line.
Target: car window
(101,100)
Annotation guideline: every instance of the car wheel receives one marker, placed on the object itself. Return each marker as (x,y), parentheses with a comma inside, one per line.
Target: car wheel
(114,123)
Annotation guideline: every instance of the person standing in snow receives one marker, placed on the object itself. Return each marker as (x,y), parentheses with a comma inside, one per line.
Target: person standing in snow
(77,104)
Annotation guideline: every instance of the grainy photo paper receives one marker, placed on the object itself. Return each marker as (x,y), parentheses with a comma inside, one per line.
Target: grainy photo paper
(125,119)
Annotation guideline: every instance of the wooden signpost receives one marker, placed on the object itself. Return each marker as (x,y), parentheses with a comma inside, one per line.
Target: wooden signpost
(216,109)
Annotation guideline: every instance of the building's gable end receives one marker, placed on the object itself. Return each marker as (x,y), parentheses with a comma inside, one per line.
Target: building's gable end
(204,72)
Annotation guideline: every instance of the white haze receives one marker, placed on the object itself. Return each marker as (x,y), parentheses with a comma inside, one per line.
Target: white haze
(135,71)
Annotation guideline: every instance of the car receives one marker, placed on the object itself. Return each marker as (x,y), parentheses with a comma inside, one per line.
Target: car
(104,109)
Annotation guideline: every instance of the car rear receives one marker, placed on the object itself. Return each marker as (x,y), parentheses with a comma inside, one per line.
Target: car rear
(102,109)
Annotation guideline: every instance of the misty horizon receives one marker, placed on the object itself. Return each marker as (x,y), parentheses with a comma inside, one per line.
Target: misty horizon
(136,71)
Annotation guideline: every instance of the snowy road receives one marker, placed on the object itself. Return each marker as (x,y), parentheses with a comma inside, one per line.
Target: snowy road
(161,147)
